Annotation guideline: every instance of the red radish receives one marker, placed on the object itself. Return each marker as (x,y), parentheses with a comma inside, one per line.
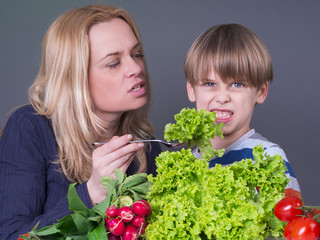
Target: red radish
(130,233)
(116,226)
(113,237)
(126,213)
(112,211)
(24,235)
(142,229)
(141,208)
(138,221)
(106,221)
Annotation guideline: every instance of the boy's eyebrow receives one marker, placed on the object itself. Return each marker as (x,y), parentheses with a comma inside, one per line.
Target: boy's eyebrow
(206,79)
(117,53)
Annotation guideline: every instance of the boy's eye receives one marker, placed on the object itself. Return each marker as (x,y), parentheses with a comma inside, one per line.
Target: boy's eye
(209,84)
(237,84)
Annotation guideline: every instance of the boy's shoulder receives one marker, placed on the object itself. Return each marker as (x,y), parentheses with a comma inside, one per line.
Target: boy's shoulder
(250,140)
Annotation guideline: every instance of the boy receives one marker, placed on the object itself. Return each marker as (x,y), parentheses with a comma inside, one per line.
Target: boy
(228,69)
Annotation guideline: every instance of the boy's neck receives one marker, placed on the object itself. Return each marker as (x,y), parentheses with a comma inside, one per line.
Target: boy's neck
(218,143)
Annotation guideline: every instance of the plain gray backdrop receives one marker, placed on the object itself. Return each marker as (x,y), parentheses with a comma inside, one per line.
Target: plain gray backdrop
(289,28)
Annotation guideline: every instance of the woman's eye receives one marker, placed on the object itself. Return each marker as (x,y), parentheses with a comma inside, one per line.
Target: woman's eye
(137,55)
(113,64)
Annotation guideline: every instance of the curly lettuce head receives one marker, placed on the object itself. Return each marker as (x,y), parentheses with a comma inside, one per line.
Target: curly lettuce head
(195,128)
(191,201)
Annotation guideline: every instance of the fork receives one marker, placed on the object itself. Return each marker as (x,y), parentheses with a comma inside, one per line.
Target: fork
(168,144)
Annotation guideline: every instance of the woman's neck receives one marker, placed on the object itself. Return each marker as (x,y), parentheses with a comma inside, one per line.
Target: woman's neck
(112,126)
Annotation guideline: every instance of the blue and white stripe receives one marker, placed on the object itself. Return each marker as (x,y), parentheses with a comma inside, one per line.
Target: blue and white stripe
(242,149)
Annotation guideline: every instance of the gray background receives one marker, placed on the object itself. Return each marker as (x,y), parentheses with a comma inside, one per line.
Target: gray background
(289,28)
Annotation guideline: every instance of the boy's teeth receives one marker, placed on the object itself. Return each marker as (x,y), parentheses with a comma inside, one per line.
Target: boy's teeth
(136,88)
(223,115)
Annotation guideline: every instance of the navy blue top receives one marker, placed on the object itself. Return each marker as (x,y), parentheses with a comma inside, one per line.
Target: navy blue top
(31,187)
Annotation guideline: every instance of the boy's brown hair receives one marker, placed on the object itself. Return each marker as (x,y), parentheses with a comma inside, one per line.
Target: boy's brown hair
(232,51)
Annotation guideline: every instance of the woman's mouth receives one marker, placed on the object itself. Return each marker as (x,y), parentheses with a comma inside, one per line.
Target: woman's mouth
(138,89)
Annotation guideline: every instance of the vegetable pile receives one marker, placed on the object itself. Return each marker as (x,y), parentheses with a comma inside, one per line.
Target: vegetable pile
(302,221)
(191,201)
(122,213)
(188,200)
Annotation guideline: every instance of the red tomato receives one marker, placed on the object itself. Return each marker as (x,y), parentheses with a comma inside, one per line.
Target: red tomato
(313,212)
(288,228)
(305,228)
(286,209)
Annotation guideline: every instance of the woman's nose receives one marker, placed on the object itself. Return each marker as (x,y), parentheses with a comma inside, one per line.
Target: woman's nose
(133,66)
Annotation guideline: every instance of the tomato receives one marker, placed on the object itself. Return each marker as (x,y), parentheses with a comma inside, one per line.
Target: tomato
(313,212)
(305,228)
(286,209)
(288,228)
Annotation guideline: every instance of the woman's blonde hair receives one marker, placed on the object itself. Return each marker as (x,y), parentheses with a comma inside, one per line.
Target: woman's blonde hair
(232,51)
(61,91)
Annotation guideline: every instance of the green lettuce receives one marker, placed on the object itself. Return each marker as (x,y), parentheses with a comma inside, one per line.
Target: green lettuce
(191,201)
(195,128)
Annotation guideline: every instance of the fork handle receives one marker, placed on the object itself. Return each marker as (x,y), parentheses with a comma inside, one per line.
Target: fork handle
(136,141)
(149,140)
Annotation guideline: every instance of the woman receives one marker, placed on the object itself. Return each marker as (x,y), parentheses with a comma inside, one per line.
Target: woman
(92,86)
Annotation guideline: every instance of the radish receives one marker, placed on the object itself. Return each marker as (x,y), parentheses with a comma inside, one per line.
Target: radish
(106,221)
(112,211)
(113,237)
(130,233)
(142,229)
(126,214)
(116,226)
(138,221)
(141,208)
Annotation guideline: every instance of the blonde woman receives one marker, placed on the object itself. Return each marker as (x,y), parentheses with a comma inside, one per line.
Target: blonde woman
(92,86)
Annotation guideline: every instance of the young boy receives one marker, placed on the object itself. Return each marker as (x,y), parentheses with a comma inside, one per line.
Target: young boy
(228,69)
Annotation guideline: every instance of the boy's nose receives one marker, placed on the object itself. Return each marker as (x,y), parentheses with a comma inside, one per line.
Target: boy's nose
(223,97)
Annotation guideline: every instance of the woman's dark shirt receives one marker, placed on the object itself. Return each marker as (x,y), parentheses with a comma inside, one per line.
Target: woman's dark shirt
(31,186)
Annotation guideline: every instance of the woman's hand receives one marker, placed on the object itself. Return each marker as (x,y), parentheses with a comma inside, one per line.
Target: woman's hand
(117,153)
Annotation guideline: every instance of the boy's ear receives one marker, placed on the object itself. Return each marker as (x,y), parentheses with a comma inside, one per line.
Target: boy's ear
(263,92)
(190,90)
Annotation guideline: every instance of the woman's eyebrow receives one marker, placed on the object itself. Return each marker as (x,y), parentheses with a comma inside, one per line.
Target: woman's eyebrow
(108,55)
(117,53)
(135,46)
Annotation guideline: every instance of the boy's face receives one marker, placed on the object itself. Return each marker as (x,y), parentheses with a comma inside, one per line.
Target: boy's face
(233,102)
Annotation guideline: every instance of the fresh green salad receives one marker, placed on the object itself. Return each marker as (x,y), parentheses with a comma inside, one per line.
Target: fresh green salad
(191,201)
(195,128)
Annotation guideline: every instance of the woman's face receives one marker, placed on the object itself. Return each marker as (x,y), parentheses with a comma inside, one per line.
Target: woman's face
(117,76)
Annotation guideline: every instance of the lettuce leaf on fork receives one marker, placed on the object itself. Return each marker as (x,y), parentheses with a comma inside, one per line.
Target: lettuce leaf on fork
(195,128)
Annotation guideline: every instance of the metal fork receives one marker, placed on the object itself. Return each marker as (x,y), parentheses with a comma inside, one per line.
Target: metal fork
(170,145)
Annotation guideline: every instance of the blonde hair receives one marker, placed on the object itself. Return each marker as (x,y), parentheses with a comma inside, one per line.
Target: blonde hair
(61,91)
(233,52)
